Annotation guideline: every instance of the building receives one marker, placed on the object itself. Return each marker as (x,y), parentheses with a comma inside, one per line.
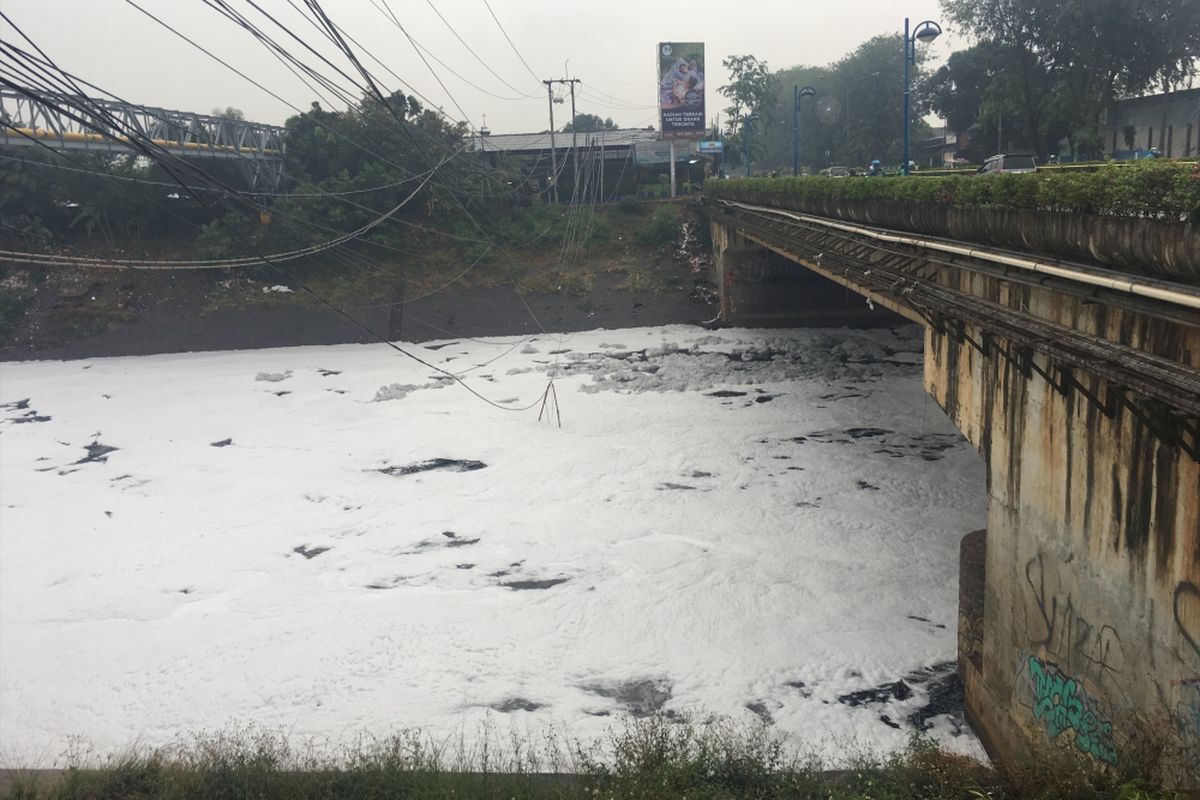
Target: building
(631,158)
(1170,122)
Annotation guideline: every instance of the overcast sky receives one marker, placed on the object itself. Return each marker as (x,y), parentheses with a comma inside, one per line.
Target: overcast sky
(609,46)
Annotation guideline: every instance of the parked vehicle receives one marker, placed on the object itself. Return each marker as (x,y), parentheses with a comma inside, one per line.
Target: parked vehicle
(836,172)
(1009,162)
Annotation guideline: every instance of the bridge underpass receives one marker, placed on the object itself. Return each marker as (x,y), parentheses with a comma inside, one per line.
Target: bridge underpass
(38,121)
(1080,386)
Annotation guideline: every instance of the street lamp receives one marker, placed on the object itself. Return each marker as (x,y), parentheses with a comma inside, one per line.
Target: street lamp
(925,33)
(746,122)
(798,93)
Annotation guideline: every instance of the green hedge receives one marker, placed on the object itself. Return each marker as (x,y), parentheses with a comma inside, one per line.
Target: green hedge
(1162,190)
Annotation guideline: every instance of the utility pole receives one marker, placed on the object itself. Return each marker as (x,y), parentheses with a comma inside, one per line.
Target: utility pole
(553,150)
(574,133)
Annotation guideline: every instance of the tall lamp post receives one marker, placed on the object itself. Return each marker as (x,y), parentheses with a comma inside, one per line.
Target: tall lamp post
(925,33)
(797,94)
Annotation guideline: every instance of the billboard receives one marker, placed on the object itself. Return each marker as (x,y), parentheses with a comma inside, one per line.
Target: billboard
(681,90)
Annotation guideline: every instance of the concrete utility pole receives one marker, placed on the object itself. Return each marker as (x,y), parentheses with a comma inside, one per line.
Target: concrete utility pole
(574,134)
(553,147)
(553,150)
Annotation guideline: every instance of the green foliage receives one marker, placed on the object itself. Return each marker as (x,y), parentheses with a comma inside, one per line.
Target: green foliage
(586,123)
(1052,68)
(629,205)
(13,303)
(1154,189)
(662,228)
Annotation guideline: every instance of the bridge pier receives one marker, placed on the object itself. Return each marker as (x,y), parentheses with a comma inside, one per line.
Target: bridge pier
(1079,617)
(1088,627)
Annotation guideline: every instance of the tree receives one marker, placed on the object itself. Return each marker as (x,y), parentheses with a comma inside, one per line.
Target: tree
(587,123)
(229,112)
(750,90)
(1064,62)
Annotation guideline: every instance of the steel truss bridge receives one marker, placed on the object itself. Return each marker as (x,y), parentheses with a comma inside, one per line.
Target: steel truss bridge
(30,122)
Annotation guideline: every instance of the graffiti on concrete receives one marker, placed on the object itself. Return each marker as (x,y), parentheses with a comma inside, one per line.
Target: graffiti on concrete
(1186,607)
(1056,626)
(1061,704)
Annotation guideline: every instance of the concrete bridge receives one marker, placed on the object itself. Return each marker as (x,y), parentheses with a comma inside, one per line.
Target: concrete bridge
(1079,383)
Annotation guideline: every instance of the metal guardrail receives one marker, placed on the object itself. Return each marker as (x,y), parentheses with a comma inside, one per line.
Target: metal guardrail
(30,122)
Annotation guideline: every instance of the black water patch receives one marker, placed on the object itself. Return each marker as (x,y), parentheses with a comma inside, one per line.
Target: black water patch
(516,704)
(804,689)
(222,443)
(336,391)
(462,542)
(840,395)
(440,346)
(378,586)
(866,433)
(699,474)
(533,585)
(446,464)
(558,352)
(32,416)
(309,553)
(899,690)
(868,486)
(464,566)
(108,514)
(926,620)
(765,398)
(639,698)
(945,695)
(450,534)
(942,685)
(726,393)
(185,590)
(16,405)
(96,453)
(674,487)
(281,393)
(760,710)
(325,373)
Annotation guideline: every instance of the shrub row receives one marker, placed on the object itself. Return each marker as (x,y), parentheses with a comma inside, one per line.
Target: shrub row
(1163,190)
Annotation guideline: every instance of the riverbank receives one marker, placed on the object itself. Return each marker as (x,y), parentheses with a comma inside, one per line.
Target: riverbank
(618,282)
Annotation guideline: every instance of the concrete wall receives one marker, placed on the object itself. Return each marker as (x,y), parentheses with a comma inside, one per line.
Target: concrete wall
(1091,602)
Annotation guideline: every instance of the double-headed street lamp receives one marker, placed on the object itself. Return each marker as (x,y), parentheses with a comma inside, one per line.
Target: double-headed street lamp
(798,93)
(925,33)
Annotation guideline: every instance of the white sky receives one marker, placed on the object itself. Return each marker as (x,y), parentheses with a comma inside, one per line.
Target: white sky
(609,46)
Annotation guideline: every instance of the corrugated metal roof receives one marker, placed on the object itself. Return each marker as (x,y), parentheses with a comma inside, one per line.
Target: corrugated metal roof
(534,142)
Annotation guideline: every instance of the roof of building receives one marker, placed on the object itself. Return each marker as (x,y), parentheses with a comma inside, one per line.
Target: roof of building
(535,142)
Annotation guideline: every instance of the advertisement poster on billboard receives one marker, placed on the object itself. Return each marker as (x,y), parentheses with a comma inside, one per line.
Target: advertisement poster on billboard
(681,89)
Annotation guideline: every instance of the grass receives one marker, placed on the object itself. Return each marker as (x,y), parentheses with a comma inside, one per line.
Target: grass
(656,758)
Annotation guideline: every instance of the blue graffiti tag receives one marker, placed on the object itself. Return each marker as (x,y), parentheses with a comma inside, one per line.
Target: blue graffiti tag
(1062,706)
